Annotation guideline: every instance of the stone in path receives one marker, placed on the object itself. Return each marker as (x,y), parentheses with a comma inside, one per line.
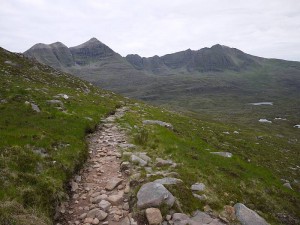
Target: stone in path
(153,216)
(114,182)
(247,216)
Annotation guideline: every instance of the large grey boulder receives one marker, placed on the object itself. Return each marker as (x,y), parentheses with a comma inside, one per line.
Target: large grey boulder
(153,195)
(247,216)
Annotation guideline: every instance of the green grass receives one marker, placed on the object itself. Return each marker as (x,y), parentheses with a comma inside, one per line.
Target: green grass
(29,181)
(251,176)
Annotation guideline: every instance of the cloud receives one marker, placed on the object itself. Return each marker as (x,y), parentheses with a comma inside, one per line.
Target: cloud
(269,28)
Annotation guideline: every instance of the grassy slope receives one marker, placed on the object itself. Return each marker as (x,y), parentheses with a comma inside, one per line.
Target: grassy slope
(252,176)
(30,184)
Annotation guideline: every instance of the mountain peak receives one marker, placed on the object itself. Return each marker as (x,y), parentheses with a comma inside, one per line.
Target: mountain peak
(39,46)
(58,45)
(93,39)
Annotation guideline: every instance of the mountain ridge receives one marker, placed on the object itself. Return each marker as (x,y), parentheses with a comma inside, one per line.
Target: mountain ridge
(216,58)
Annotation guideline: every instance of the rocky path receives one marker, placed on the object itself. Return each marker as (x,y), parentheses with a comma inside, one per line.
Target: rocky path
(99,190)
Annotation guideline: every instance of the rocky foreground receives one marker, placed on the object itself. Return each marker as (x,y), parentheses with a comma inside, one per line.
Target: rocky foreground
(102,190)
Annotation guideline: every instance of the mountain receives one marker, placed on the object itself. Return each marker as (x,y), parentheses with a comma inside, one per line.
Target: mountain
(217,58)
(205,82)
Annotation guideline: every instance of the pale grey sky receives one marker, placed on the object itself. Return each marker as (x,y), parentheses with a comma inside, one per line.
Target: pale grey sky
(267,28)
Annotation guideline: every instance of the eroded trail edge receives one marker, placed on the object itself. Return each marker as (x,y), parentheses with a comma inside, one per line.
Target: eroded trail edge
(99,189)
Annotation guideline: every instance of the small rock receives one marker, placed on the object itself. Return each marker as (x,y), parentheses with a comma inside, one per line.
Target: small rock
(180,219)
(138,160)
(55,102)
(74,186)
(115,199)
(88,220)
(82,216)
(96,221)
(99,198)
(168,181)
(143,155)
(113,183)
(168,217)
(35,107)
(161,162)
(201,217)
(104,205)
(158,122)
(200,197)
(153,216)
(224,154)
(125,221)
(126,206)
(96,213)
(126,146)
(198,187)
(288,185)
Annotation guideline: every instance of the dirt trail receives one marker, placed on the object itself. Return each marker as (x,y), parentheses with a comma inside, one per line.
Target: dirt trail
(99,190)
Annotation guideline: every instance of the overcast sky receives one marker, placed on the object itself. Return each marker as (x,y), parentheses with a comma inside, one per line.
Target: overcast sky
(268,28)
